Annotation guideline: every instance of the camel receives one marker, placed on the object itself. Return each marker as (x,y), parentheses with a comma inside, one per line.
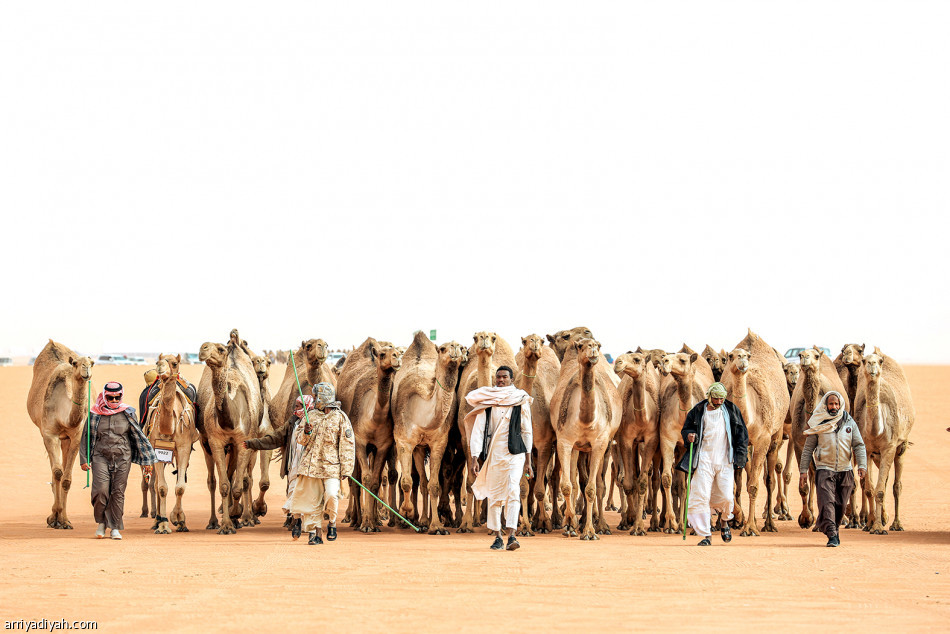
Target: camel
(639,434)
(58,404)
(817,376)
(756,385)
(262,370)
(586,410)
(563,340)
(229,398)
(171,417)
(538,369)
(366,385)
(311,368)
(717,361)
(848,365)
(685,378)
(792,371)
(424,399)
(489,352)
(885,415)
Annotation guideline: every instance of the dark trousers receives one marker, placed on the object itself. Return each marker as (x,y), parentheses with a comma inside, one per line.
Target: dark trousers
(108,490)
(834,493)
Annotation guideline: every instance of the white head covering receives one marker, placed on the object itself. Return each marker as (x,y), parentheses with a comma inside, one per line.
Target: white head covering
(821,421)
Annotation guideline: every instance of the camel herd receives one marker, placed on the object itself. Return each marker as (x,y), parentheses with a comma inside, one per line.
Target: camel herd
(590,421)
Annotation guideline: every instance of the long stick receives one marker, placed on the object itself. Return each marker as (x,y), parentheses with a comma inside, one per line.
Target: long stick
(88,426)
(306,411)
(689,477)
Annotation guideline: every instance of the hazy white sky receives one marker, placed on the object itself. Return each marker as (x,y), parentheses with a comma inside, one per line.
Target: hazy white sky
(659,172)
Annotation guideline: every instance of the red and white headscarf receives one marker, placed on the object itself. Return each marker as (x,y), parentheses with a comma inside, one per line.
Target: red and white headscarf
(299,407)
(107,408)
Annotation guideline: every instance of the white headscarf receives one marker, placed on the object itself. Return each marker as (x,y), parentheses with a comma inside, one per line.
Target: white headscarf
(821,421)
(484,397)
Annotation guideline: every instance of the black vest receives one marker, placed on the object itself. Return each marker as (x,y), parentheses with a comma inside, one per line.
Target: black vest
(515,442)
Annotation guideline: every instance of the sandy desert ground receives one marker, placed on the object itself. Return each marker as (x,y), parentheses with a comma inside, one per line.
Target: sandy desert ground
(398,581)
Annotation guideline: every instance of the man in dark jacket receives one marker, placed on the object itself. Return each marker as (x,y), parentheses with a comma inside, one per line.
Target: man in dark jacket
(720,442)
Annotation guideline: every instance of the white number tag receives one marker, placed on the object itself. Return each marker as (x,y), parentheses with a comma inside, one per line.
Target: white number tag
(164,455)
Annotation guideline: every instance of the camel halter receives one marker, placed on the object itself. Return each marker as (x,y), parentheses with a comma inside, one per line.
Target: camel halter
(306,412)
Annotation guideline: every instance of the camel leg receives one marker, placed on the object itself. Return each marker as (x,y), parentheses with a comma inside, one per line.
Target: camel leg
(543,523)
(670,524)
(648,454)
(404,453)
(600,524)
(211,466)
(753,473)
(898,472)
(614,470)
(161,513)
(469,518)
(567,457)
(554,489)
(54,450)
(738,519)
(784,512)
(880,516)
(628,484)
(243,482)
(524,520)
(421,505)
(224,487)
(772,473)
(392,477)
(367,505)
(259,507)
(596,460)
(145,487)
(370,510)
(806,518)
(71,451)
(182,457)
(436,452)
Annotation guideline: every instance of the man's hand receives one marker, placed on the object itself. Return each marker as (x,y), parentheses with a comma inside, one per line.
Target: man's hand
(244,444)
(84,466)
(307,428)
(862,473)
(528,472)
(802,480)
(691,437)
(475,466)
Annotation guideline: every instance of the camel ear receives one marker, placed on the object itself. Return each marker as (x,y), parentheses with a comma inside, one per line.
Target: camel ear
(576,345)
(373,351)
(648,358)
(598,344)
(862,348)
(878,352)
(73,362)
(732,355)
(178,358)
(550,338)
(475,338)
(524,341)
(639,349)
(693,357)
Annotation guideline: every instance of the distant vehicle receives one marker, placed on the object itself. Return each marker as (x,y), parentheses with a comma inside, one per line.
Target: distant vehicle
(334,357)
(113,359)
(191,358)
(32,360)
(6,361)
(791,355)
(137,360)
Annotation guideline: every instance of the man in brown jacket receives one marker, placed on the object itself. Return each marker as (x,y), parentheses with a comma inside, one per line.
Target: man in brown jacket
(329,452)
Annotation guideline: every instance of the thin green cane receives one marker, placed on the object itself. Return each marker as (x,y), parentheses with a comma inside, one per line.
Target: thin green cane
(689,478)
(88,427)
(304,401)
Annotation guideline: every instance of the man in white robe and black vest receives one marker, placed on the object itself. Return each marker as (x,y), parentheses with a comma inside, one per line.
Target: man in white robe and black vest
(501,451)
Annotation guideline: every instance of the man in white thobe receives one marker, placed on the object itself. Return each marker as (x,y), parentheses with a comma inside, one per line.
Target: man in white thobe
(501,451)
(718,434)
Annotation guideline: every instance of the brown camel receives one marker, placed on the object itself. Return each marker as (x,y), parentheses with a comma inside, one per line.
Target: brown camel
(756,385)
(639,434)
(310,361)
(563,340)
(231,406)
(885,415)
(586,412)
(171,418)
(262,370)
(791,371)
(817,377)
(717,361)
(538,369)
(848,365)
(489,351)
(425,402)
(58,404)
(366,386)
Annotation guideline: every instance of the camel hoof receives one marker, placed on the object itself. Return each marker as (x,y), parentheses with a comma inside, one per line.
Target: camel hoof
(639,532)
(543,530)
(144,514)
(612,508)
(182,528)
(464,529)
(66,525)
(227,530)
(749,532)
(896,526)
(438,531)
(260,510)
(604,531)
(525,532)
(589,537)
(212,525)
(878,530)
(770,528)
(804,521)
(52,522)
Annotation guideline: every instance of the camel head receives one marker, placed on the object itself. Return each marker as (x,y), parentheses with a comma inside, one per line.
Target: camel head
(82,366)
(390,358)
(531,346)
(214,355)
(450,355)
(563,339)
(485,343)
(261,367)
(167,366)
(852,354)
(874,363)
(662,361)
(315,351)
(588,351)
(632,363)
(679,363)
(792,371)
(714,359)
(740,360)
(810,360)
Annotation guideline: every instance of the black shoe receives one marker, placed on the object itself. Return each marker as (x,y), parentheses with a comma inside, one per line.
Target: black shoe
(726,533)
(295,528)
(498,544)
(314,539)
(705,542)
(331,533)
(833,541)
(513,543)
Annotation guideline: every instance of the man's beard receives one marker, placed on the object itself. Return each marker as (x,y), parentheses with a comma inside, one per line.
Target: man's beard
(833,412)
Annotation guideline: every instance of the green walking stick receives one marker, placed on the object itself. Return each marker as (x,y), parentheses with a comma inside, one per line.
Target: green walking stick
(689,477)
(306,411)
(88,427)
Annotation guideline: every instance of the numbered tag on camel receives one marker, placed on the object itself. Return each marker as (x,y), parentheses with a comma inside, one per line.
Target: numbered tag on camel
(164,449)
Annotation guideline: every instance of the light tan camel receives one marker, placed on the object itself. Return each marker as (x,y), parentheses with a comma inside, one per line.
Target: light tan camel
(489,352)
(885,415)
(366,386)
(782,511)
(756,385)
(58,404)
(310,360)
(685,378)
(817,377)
(639,434)
(262,370)
(717,361)
(563,340)
(538,369)
(148,483)
(586,411)
(171,418)
(848,365)
(318,369)
(425,402)
(229,398)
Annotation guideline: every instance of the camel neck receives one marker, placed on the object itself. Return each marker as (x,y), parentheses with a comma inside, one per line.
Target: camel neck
(529,374)
(684,392)
(740,395)
(852,386)
(873,394)
(79,398)
(811,389)
(446,378)
(588,404)
(166,408)
(316,374)
(384,391)
(483,373)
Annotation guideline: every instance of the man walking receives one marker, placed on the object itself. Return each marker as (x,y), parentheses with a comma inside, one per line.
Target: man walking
(835,435)
(500,450)
(722,446)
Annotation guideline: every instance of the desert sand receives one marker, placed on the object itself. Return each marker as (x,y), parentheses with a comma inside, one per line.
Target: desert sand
(399,581)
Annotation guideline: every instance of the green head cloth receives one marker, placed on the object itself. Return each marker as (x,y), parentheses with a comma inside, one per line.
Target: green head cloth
(717,390)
